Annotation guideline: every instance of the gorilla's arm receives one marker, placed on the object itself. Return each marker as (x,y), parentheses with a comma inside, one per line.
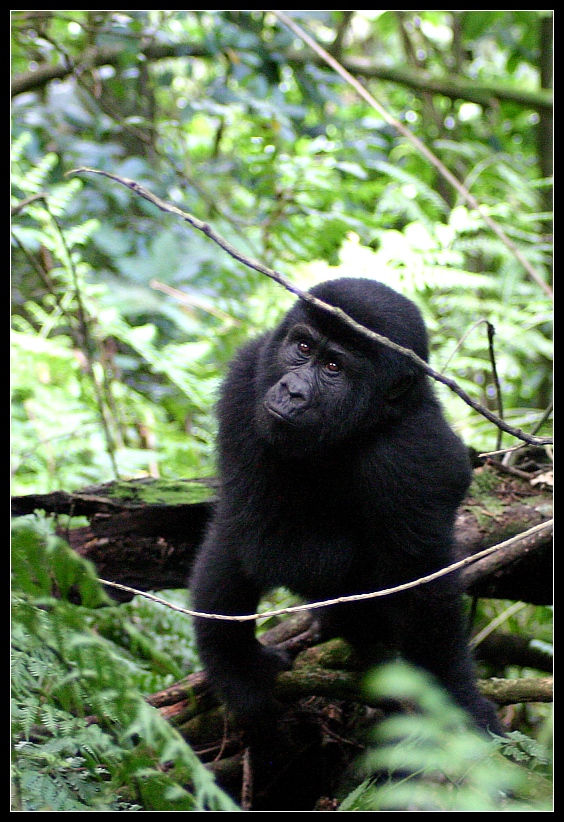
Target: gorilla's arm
(238,667)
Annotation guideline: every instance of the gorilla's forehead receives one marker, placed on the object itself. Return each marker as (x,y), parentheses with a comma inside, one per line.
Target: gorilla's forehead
(370,303)
(306,320)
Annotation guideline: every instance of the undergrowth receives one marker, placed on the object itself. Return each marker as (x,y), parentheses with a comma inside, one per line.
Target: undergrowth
(83,738)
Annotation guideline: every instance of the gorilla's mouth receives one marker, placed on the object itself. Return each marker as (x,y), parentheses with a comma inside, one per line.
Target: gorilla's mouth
(274,413)
(278,416)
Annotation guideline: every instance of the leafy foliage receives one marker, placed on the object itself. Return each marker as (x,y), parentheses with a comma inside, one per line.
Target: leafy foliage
(83,738)
(431,760)
(75,420)
(124,319)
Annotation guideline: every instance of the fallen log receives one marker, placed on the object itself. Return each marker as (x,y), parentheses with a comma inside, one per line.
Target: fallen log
(145,533)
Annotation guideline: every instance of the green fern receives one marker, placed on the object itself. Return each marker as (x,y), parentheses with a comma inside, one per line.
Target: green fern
(432,760)
(83,737)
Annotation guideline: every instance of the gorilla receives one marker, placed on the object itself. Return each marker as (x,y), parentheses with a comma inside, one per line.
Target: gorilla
(338,475)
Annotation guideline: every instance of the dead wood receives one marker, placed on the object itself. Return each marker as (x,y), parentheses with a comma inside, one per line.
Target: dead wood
(145,533)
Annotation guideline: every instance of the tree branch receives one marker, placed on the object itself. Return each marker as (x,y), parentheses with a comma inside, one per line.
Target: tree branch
(511,691)
(455,88)
(513,549)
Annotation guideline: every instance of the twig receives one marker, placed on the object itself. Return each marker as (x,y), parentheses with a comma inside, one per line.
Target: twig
(544,528)
(28,200)
(210,232)
(514,608)
(491,334)
(247,786)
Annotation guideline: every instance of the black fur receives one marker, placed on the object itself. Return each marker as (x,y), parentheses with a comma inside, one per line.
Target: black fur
(339,475)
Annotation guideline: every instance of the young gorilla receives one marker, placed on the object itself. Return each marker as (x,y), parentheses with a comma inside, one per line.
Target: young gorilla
(339,475)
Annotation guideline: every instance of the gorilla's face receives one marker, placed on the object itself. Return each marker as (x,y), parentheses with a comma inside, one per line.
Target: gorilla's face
(316,380)
(316,390)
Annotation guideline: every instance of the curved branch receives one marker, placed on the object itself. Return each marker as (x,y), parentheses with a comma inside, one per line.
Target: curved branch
(544,529)
(210,232)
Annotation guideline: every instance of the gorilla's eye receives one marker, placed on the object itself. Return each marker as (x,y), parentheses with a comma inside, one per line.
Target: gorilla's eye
(304,348)
(332,366)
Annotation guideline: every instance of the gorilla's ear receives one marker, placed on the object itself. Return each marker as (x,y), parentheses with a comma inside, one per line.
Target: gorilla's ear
(400,387)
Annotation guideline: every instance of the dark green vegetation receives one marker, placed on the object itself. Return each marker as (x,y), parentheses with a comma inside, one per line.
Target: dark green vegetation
(124,318)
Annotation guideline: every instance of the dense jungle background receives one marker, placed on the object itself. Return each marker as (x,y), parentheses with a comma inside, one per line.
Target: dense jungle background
(432,174)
